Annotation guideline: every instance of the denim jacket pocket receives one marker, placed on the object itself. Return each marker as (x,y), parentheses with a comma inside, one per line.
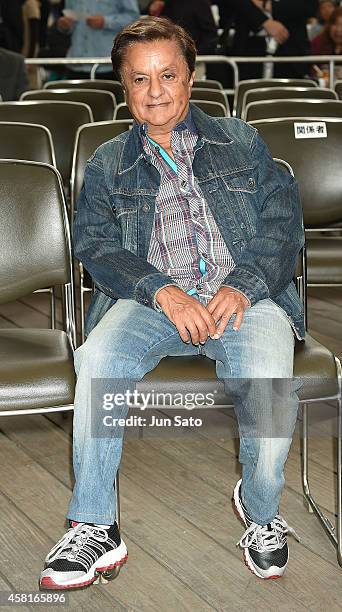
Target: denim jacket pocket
(245,180)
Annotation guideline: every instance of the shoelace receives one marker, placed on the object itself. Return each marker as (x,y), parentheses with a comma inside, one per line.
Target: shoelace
(75,539)
(262,539)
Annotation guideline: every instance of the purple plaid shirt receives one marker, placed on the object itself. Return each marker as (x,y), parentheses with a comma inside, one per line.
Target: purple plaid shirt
(185,231)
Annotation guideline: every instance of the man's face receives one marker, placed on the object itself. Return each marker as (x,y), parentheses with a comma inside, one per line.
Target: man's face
(157,84)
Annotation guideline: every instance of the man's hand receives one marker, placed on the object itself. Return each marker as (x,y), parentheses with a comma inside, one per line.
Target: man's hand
(95,21)
(223,305)
(189,316)
(65,23)
(277,30)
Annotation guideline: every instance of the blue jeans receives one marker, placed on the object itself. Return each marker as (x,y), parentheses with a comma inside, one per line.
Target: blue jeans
(256,364)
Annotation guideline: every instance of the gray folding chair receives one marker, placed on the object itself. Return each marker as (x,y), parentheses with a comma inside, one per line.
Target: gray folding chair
(281,93)
(102,103)
(316,163)
(215,109)
(88,139)
(114,87)
(293,108)
(210,83)
(28,141)
(36,366)
(211,95)
(31,142)
(61,118)
(245,85)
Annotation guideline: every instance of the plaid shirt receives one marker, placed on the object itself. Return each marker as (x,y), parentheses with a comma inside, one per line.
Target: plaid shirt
(185,231)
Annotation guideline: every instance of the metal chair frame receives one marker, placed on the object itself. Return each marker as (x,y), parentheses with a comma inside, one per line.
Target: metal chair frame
(273,104)
(261,83)
(266,93)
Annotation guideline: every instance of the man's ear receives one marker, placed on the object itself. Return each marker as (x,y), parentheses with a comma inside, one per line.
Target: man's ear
(192,78)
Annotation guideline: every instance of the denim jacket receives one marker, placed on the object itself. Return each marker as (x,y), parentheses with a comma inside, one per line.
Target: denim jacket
(255,204)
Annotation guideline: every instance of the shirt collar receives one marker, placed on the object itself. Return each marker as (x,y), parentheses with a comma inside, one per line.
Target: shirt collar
(187,124)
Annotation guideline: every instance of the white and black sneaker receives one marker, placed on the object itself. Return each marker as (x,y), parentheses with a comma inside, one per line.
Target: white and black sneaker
(81,555)
(265,547)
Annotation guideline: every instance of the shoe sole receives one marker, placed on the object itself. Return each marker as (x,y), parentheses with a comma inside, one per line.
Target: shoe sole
(47,582)
(247,559)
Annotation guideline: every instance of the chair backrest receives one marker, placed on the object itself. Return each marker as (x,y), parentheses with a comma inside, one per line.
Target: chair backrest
(102,103)
(283,93)
(88,139)
(215,109)
(61,118)
(114,87)
(26,141)
(122,112)
(34,233)
(316,162)
(243,86)
(210,83)
(211,95)
(338,89)
(293,108)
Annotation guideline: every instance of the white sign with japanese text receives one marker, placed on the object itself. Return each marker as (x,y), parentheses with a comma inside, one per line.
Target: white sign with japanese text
(312,129)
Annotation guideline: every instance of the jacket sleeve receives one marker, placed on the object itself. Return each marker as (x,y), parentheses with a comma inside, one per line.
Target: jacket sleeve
(250,14)
(267,265)
(98,245)
(127,12)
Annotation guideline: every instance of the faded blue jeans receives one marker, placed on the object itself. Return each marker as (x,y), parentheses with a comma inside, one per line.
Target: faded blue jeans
(256,364)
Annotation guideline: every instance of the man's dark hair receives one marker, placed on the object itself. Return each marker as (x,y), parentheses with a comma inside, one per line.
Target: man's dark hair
(147,30)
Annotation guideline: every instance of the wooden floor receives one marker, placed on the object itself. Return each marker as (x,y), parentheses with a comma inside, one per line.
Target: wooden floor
(175,507)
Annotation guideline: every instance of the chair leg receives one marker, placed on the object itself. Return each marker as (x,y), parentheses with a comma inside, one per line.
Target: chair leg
(334,533)
(339,467)
(53,307)
(305,457)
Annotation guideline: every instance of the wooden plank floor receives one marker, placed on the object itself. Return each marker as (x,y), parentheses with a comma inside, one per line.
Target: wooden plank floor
(175,505)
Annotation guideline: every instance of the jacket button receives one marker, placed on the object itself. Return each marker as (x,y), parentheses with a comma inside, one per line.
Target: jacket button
(146,207)
(251,182)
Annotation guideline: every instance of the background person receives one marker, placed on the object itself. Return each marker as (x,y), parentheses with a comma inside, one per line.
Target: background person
(92,34)
(283,20)
(329,42)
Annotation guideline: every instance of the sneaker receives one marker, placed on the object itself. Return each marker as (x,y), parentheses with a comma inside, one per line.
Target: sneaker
(84,552)
(265,547)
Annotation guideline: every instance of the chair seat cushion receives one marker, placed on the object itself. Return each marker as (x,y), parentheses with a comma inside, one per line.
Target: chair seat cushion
(324,258)
(314,365)
(36,369)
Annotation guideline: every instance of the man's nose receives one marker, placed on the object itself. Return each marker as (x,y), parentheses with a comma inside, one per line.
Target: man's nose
(155,88)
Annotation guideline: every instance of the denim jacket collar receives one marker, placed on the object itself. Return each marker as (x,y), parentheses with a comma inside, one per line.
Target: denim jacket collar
(133,153)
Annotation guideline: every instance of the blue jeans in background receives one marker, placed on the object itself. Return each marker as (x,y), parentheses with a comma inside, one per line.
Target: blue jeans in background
(256,364)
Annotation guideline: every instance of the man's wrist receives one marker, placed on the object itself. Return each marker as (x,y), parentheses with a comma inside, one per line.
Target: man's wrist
(156,304)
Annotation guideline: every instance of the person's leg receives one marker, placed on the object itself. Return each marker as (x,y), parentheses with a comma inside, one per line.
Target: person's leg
(256,364)
(128,342)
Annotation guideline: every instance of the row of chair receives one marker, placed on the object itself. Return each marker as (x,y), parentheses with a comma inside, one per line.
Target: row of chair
(36,366)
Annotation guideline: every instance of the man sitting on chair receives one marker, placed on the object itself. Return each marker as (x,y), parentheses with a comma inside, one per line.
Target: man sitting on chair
(190,232)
